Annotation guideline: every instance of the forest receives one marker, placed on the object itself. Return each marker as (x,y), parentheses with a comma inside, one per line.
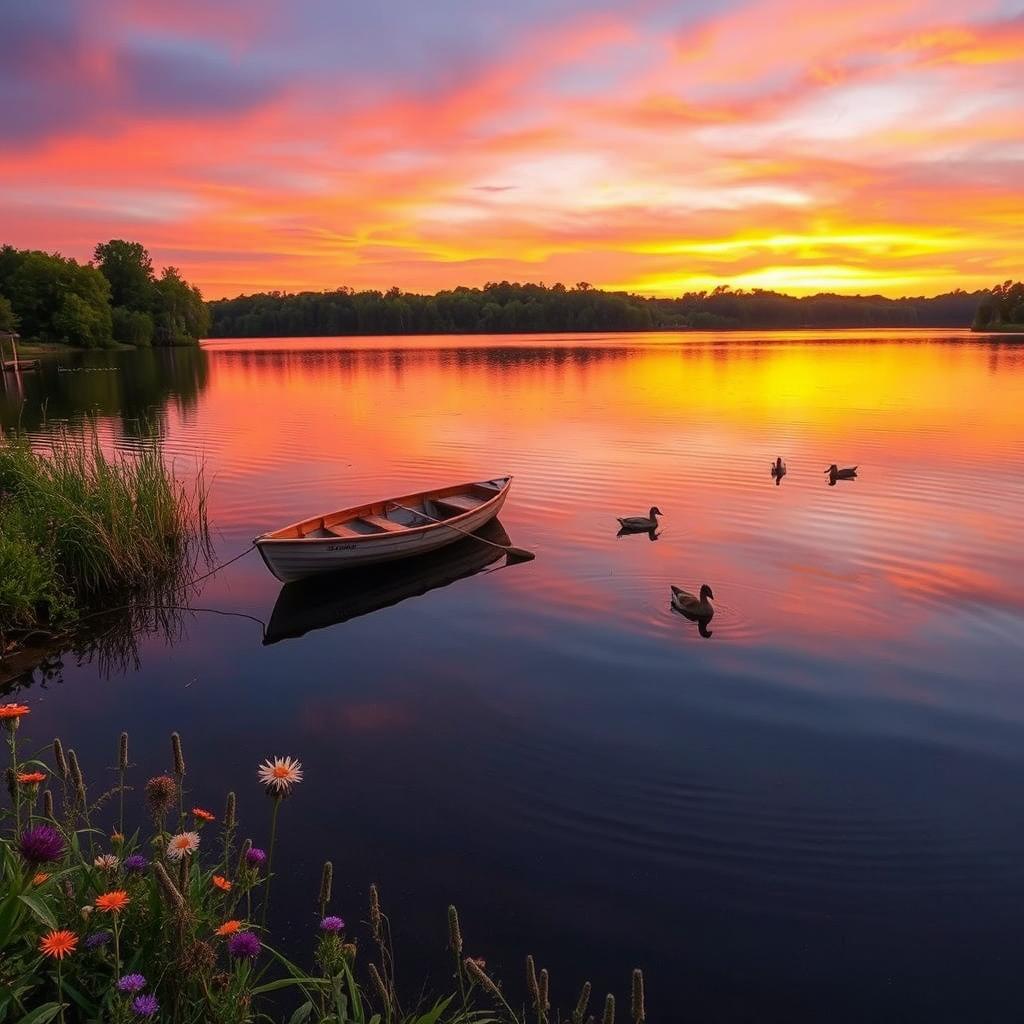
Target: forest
(48,297)
(507,308)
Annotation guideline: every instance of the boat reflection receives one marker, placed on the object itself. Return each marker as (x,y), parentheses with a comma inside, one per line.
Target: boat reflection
(323,601)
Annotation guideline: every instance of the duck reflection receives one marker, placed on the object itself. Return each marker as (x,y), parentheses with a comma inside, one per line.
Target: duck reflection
(329,600)
(652,534)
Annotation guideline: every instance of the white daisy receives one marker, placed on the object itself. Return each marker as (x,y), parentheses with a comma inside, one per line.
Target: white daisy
(280,774)
(181,844)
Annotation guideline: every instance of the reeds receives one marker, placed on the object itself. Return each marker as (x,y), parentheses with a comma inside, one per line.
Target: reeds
(78,526)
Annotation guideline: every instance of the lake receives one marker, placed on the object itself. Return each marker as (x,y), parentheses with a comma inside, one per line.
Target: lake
(814,813)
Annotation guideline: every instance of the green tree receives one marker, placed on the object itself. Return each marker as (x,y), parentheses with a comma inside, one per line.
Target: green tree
(181,315)
(132,326)
(8,318)
(129,269)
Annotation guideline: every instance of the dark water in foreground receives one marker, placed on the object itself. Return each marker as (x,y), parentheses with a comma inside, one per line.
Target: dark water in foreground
(815,814)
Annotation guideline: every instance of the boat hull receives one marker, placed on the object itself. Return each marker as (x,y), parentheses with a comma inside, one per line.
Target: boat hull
(297,559)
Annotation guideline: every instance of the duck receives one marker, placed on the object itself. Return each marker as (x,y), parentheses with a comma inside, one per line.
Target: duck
(778,469)
(835,473)
(693,607)
(648,522)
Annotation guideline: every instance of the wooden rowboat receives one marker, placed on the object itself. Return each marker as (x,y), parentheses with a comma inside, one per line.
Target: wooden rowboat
(381,531)
(329,600)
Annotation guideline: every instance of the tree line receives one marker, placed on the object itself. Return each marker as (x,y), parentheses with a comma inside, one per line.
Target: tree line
(504,308)
(1001,307)
(116,298)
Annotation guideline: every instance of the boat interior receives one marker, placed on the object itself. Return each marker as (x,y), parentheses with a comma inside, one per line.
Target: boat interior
(385,517)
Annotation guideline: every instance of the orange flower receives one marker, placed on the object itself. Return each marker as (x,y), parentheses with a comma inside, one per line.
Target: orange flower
(31,778)
(40,878)
(116,838)
(229,927)
(58,944)
(203,815)
(10,714)
(222,883)
(113,901)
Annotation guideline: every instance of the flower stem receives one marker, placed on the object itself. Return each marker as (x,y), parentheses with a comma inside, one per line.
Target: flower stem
(117,945)
(15,789)
(270,859)
(60,992)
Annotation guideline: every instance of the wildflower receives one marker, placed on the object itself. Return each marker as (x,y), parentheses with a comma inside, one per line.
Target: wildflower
(10,714)
(106,862)
(131,983)
(58,944)
(203,815)
(222,883)
(182,844)
(332,924)
(96,939)
(228,927)
(244,945)
(161,792)
(112,902)
(135,862)
(41,844)
(39,878)
(280,774)
(86,911)
(146,1006)
(116,838)
(254,856)
(31,778)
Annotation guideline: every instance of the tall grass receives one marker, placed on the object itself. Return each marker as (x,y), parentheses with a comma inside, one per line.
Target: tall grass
(78,526)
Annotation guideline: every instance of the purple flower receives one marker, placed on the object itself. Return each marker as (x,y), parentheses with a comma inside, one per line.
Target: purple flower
(146,1006)
(131,983)
(254,856)
(97,939)
(41,844)
(135,862)
(244,944)
(332,924)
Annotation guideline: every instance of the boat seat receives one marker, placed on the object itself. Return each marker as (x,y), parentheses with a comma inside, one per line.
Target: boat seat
(341,530)
(462,502)
(382,523)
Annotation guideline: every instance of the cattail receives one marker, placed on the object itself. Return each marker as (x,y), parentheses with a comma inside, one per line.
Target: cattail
(47,804)
(378,982)
(58,759)
(478,974)
(454,931)
(122,759)
(171,891)
(581,1004)
(229,810)
(543,1004)
(75,774)
(609,1010)
(179,757)
(639,1011)
(531,981)
(376,917)
(326,880)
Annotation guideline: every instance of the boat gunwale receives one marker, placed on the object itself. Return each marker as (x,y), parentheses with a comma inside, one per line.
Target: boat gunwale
(427,494)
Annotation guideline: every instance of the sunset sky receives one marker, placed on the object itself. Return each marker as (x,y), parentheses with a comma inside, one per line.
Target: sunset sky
(868,146)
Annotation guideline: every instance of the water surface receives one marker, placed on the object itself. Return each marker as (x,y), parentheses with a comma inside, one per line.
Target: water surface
(813,814)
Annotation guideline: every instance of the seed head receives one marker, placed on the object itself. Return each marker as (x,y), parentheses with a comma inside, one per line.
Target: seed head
(229,810)
(58,759)
(376,917)
(75,774)
(454,931)
(543,1005)
(581,1004)
(171,892)
(609,1010)
(531,981)
(179,757)
(122,754)
(47,804)
(378,984)
(326,879)
(479,975)
(639,1011)
(161,792)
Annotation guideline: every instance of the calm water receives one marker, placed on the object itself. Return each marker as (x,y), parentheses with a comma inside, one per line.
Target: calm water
(815,814)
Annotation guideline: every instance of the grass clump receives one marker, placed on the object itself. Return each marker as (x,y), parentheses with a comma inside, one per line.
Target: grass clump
(78,526)
(102,921)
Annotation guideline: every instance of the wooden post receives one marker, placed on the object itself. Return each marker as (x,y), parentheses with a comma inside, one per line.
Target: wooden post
(14,349)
